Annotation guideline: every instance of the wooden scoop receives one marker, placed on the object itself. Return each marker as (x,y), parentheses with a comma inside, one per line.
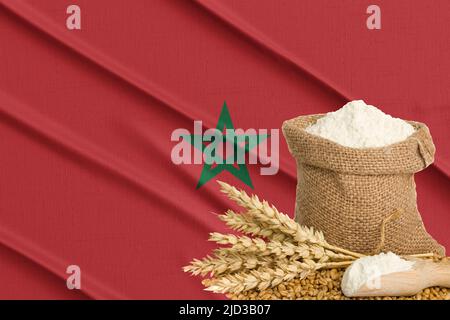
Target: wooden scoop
(424,274)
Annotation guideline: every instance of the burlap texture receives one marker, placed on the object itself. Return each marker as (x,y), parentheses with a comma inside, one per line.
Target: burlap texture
(362,199)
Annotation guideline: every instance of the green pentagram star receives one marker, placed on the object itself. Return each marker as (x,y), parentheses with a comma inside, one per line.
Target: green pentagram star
(210,170)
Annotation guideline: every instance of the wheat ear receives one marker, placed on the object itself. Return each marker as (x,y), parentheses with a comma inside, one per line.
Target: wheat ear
(226,263)
(280,221)
(263,278)
(244,222)
(244,244)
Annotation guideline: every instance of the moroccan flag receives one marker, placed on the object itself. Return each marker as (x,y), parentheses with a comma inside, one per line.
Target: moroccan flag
(92,92)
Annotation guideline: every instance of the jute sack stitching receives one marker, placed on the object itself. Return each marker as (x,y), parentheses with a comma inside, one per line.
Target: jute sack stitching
(362,199)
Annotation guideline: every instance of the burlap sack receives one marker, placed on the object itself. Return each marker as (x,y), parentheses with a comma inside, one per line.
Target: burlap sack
(362,199)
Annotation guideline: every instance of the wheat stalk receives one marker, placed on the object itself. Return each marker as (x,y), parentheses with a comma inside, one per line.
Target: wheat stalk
(245,244)
(244,222)
(243,281)
(279,221)
(280,249)
(226,263)
(276,249)
(263,278)
(239,243)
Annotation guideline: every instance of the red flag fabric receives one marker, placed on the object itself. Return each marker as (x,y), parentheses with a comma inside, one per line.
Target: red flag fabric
(86,118)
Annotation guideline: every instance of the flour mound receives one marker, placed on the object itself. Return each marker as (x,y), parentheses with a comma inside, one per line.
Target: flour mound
(366,270)
(358,125)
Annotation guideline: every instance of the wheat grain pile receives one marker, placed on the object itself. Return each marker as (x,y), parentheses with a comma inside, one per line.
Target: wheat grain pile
(275,257)
(326,285)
